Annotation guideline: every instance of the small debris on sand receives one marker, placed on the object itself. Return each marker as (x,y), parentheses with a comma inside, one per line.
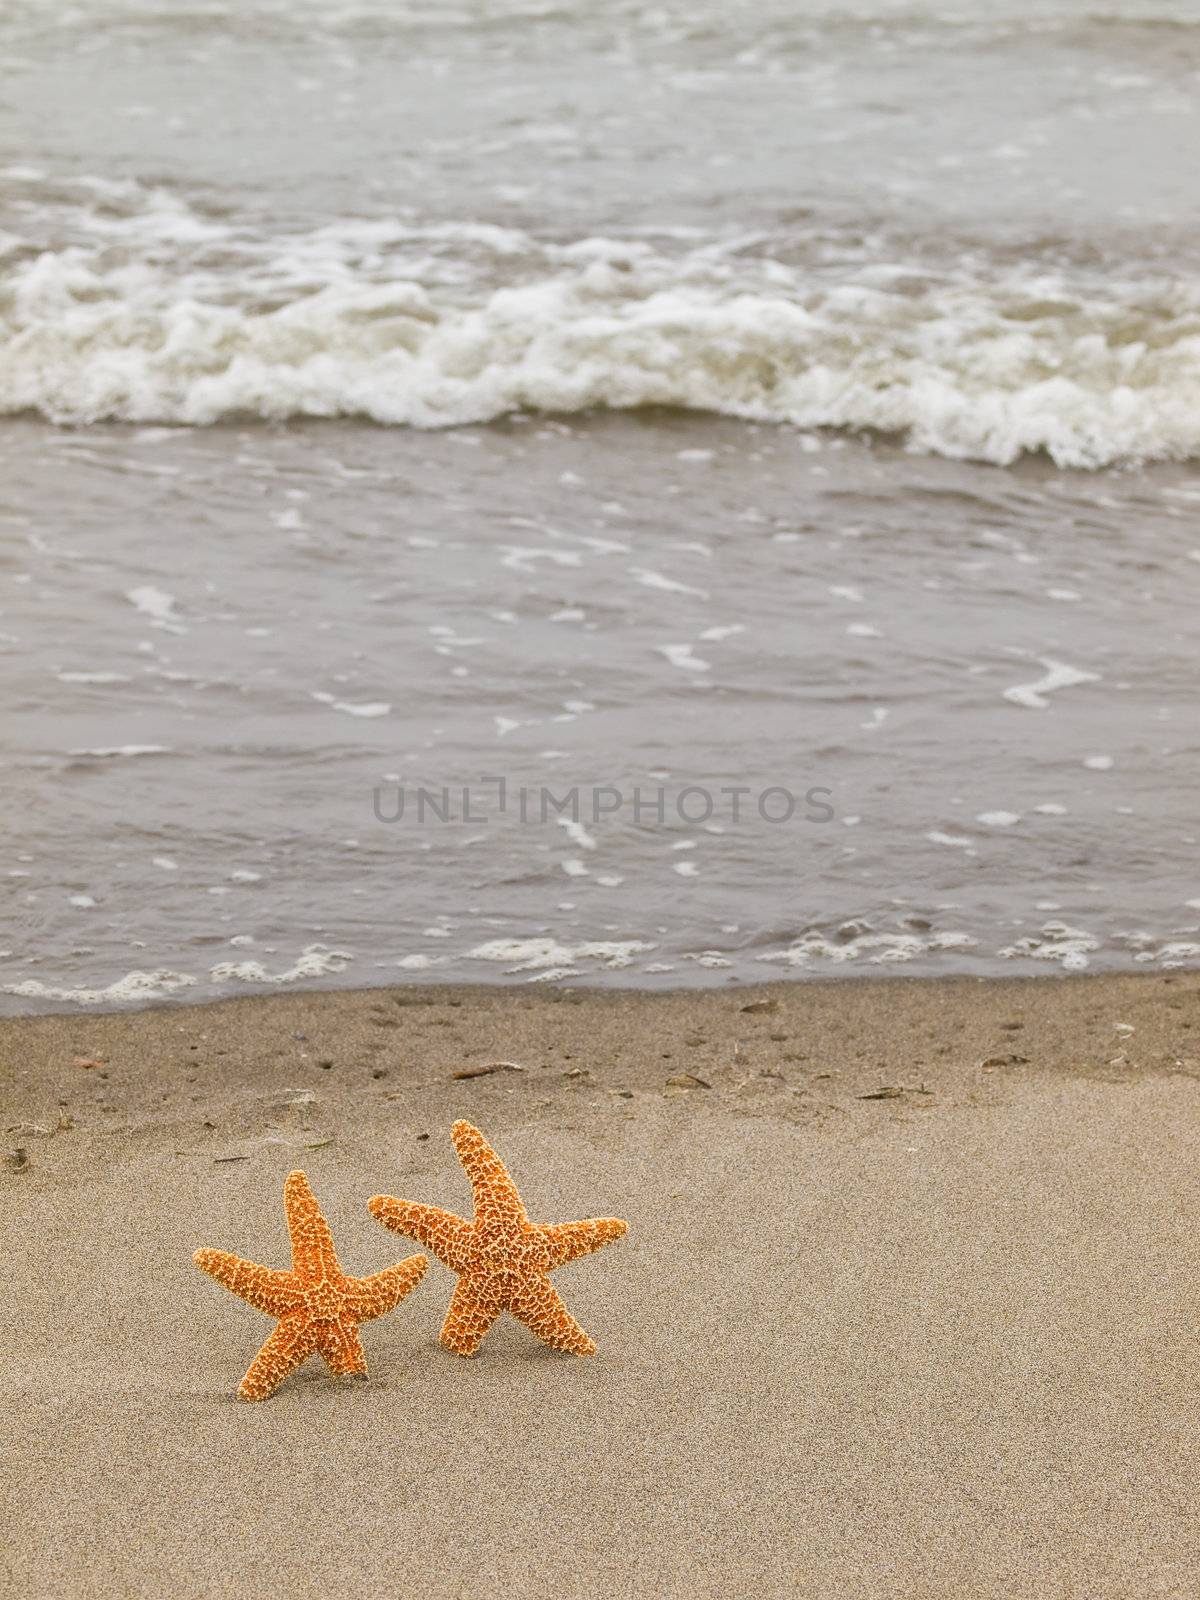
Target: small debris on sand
(487,1068)
(893,1091)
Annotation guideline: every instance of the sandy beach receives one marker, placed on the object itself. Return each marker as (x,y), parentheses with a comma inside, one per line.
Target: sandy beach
(908,1304)
(622,577)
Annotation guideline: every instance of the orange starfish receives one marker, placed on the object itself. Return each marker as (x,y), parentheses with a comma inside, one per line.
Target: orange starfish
(502,1258)
(318,1306)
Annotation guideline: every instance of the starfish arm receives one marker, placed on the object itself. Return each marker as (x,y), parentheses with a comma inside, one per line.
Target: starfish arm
(467,1320)
(496,1197)
(567,1241)
(540,1308)
(312,1243)
(342,1349)
(262,1287)
(293,1341)
(371,1297)
(449,1237)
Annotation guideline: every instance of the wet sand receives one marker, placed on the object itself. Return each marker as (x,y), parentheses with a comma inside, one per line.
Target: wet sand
(908,1306)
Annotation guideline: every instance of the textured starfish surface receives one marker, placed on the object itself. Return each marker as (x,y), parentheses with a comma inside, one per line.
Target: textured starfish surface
(318,1306)
(502,1259)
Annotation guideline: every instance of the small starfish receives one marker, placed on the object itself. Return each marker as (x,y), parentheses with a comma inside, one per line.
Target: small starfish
(318,1306)
(502,1258)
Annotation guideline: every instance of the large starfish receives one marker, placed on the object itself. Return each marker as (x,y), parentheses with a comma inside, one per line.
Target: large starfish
(502,1258)
(318,1306)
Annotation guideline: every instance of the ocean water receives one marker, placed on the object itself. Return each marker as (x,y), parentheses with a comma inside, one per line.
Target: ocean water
(750,449)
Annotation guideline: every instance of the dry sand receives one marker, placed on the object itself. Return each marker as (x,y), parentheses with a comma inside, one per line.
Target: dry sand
(942,1342)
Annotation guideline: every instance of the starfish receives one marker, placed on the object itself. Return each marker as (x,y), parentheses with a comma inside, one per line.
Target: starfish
(502,1259)
(318,1306)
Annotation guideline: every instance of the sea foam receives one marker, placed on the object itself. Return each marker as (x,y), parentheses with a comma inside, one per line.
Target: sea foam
(140,986)
(988,365)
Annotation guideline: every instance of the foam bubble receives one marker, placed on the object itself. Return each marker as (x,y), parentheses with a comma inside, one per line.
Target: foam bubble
(876,949)
(523,955)
(713,959)
(1069,947)
(158,605)
(93,677)
(1179,953)
(362,708)
(657,580)
(109,752)
(315,962)
(1058,675)
(577,833)
(133,986)
(680,655)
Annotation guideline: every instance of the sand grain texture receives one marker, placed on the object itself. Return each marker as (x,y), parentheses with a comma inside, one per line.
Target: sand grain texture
(859,1342)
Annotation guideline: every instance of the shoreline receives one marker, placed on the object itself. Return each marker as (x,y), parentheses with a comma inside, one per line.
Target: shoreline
(590,985)
(854,990)
(907,1304)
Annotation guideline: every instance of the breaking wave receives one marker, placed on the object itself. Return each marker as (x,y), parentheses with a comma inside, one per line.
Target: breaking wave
(187,326)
